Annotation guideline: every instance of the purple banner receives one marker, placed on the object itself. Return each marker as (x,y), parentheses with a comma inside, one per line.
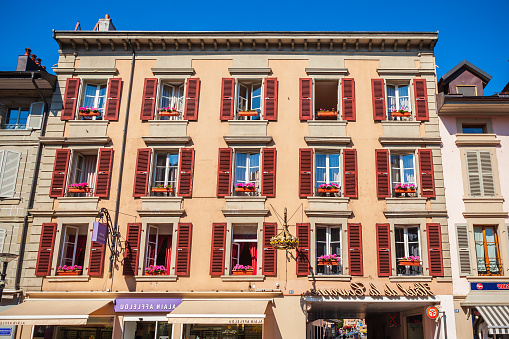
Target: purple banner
(99,232)
(140,305)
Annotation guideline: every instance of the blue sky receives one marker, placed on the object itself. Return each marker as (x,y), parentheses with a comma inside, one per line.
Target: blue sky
(475,31)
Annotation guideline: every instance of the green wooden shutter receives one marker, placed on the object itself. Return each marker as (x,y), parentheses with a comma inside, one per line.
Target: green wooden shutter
(463,249)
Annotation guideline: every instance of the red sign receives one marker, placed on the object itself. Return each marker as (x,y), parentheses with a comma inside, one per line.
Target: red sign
(432,312)
(479,286)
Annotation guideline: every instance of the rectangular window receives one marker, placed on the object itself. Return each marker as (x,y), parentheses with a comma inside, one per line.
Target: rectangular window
(165,174)
(249,100)
(74,241)
(94,101)
(326,99)
(244,249)
(473,129)
(328,242)
(467,90)
(171,103)
(407,249)
(398,102)
(403,175)
(247,173)
(487,250)
(480,174)
(327,174)
(158,250)
(83,170)
(16,118)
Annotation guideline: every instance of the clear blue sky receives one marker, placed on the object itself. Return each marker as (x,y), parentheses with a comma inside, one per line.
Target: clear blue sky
(471,30)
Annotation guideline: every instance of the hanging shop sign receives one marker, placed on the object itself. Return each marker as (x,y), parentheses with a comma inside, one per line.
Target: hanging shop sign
(140,305)
(99,232)
(358,289)
(489,286)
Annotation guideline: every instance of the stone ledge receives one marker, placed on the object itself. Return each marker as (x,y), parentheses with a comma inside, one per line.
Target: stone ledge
(339,214)
(485,214)
(160,213)
(409,141)
(173,71)
(74,141)
(166,140)
(242,139)
(329,71)
(242,278)
(245,213)
(415,214)
(417,278)
(330,277)
(472,278)
(477,140)
(250,71)
(70,278)
(155,278)
(327,140)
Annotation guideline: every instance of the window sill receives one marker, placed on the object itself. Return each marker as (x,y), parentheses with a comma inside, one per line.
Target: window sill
(401,129)
(242,277)
(77,203)
(412,278)
(71,278)
(155,278)
(15,132)
(10,201)
(331,277)
(492,278)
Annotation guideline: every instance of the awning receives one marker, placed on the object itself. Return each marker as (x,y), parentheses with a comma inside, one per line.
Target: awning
(497,318)
(486,298)
(51,312)
(219,312)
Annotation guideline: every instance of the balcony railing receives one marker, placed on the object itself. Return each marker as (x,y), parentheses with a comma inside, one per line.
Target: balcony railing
(490,267)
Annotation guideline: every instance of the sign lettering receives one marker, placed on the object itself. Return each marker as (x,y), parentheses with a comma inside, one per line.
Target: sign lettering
(357,289)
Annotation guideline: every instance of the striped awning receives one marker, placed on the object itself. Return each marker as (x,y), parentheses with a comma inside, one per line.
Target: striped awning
(497,318)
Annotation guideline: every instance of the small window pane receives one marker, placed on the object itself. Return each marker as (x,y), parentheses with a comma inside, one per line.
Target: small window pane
(335,234)
(321,234)
(466,90)
(473,129)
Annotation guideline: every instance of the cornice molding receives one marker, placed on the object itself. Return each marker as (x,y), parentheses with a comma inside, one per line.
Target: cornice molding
(74,140)
(325,214)
(415,214)
(327,71)
(245,213)
(173,71)
(247,139)
(485,214)
(250,71)
(410,141)
(85,71)
(167,140)
(327,140)
(160,213)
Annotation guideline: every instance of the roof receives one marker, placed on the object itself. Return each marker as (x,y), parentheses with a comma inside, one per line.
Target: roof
(19,83)
(506,88)
(485,77)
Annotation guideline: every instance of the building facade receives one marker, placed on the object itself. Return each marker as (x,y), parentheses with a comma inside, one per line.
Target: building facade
(196,143)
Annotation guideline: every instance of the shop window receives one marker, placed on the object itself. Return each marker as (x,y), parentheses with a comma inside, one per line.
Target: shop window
(165,174)
(249,99)
(467,90)
(403,175)
(398,102)
(222,331)
(83,171)
(487,250)
(408,251)
(328,243)
(171,102)
(74,242)
(473,128)
(94,98)
(326,99)
(480,174)
(158,251)
(327,174)
(247,173)
(245,247)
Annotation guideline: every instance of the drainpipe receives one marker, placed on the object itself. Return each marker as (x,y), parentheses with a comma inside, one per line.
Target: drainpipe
(121,168)
(31,198)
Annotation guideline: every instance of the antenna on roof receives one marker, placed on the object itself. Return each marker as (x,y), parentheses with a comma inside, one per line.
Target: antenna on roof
(78,26)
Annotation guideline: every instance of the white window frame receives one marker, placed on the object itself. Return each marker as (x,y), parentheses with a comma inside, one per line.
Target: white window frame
(406,243)
(243,103)
(247,168)
(236,243)
(65,243)
(166,169)
(96,97)
(174,98)
(327,168)
(402,169)
(147,248)
(328,242)
(73,167)
(397,96)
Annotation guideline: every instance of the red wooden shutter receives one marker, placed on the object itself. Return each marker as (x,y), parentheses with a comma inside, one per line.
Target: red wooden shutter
(223,174)
(141,174)
(383,185)
(306,99)
(377,86)
(303,262)
(59,173)
(348,93)
(421,100)
(269,252)
(227,93)
(113,99)
(436,267)
(186,165)
(72,88)
(269,172)
(193,92)
(148,103)
(95,267)
(183,249)
(355,249)
(427,173)
(218,249)
(270,103)
(132,249)
(104,164)
(46,245)
(350,175)
(383,248)
(305,172)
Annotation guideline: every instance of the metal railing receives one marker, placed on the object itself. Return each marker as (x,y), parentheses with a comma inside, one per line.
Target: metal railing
(490,267)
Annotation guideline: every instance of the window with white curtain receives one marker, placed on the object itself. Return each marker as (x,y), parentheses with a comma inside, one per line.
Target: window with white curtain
(327,169)
(402,169)
(172,97)
(487,250)
(83,170)
(398,98)
(328,242)
(247,169)
(407,244)
(95,98)
(249,98)
(166,172)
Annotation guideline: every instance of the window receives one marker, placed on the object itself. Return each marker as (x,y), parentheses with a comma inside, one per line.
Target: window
(398,102)
(328,242)
(249,100)
(407,244)
(171,103)
(327,174)
(83,170)
(245,247)
(158,250)
(480,174)
(473,129)
(403,175)
(247,173)
(466,90)
(487,250)
(326,99)
(16,118)
(74,242)
(94,97)
(165,174)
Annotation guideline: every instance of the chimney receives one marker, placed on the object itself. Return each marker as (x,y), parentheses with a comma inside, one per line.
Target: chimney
(29,62)
(105,24)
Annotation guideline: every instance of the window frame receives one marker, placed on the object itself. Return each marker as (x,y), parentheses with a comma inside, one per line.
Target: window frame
(153,169)
(328,152)
(397,83)
(402,169)
(406,248)
(338,96)
(248,83)
(176,84)
(64,246)
(237,242)
(147,247)
(249,152)
(82,95)
(328,244)
(486,258)
(474,86)
(17,126)
(73,169)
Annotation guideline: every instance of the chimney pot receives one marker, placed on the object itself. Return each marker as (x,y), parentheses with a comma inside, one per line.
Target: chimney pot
(38,62)
(28,51)
(33,56)
(107,16)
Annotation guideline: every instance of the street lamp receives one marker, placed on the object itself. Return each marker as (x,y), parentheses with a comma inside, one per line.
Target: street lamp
(6,258)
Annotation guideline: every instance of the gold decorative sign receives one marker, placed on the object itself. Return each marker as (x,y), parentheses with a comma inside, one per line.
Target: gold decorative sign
(357,289)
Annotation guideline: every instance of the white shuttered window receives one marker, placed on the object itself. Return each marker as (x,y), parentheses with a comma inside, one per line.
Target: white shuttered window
(9,164)
(480,174)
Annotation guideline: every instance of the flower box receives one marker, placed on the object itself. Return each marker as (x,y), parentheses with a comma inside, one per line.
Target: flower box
(327,114)
(404,190)
(68,272)
(248,113)
(155,273)
(162,190)
(328,263)
(328,190)
(169,113)
(245,189)
(401,114)
(89,114)
(78,189)
(402,262)
(243,272)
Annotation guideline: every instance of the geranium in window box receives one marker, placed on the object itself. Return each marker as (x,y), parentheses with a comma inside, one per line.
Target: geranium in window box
(249,113)
(328,260)
(242,270)
(155,270)
(162,189)
(402,112)
(405,188)
(245,187)
(411,260)
(168,112)
(89,112)
(81,187)
(328,188)
(324,113)
(69,270)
